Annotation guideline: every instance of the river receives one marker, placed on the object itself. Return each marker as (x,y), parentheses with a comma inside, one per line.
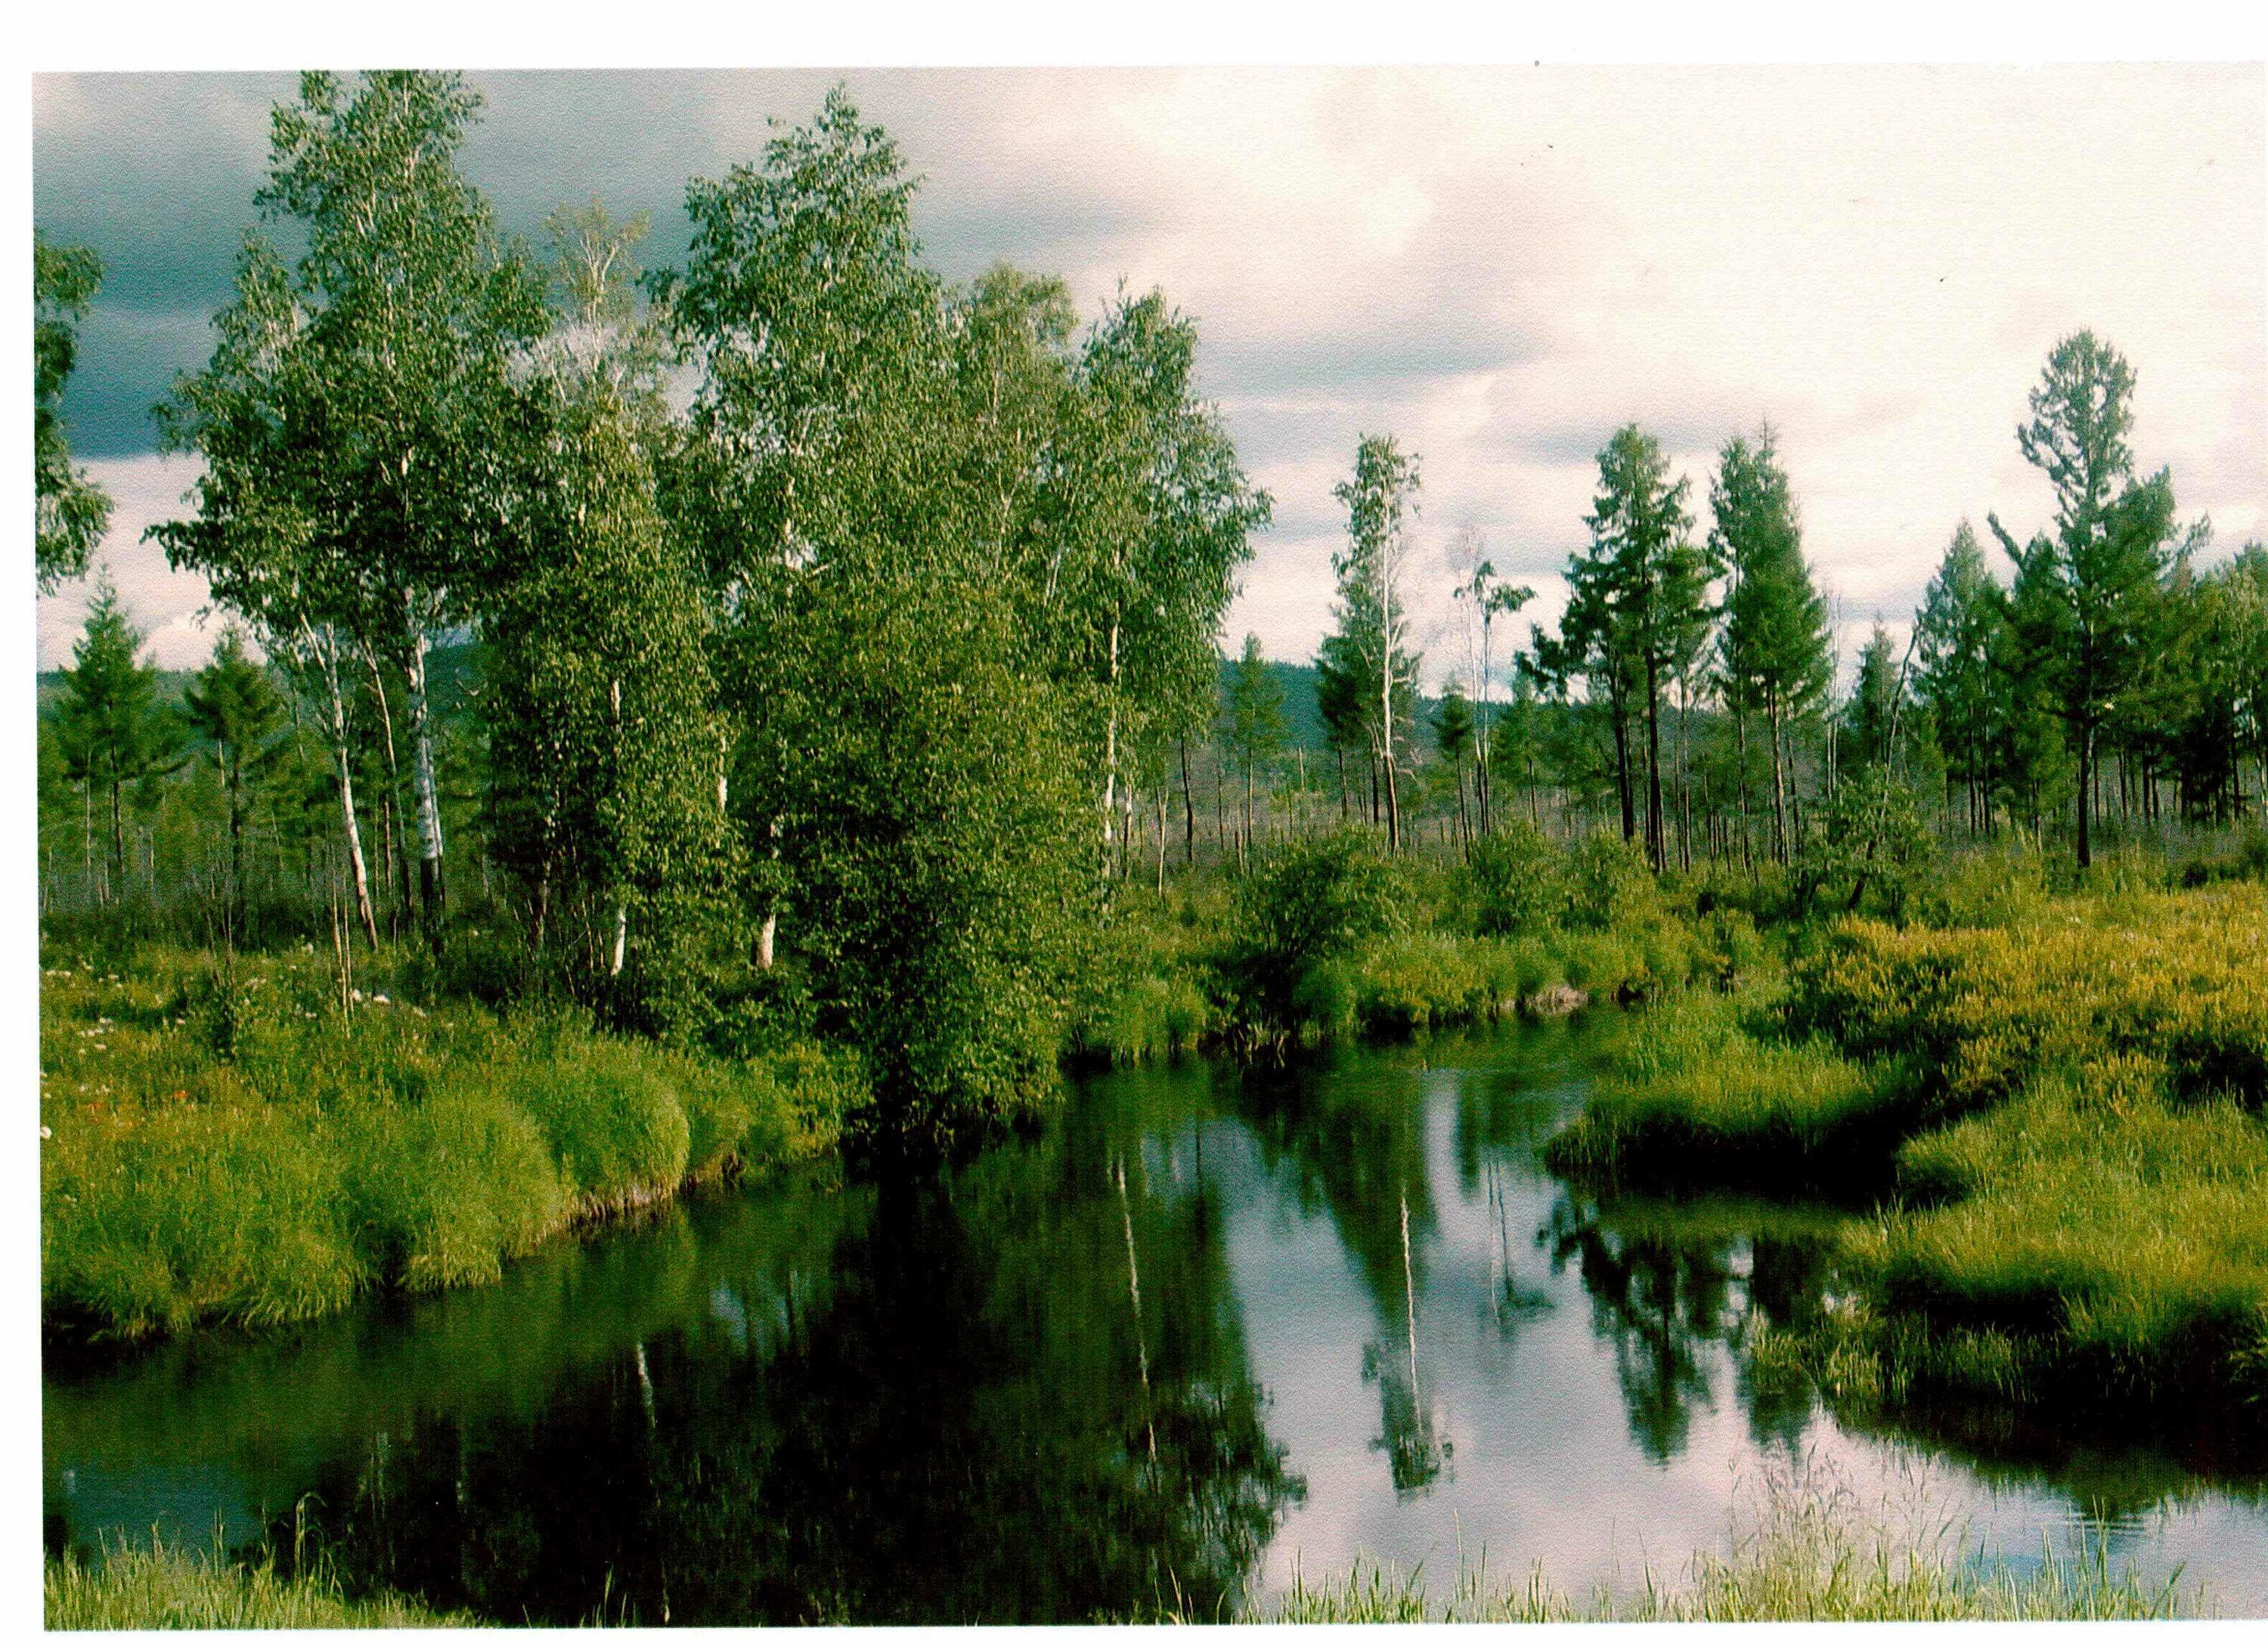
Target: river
(1212,1327)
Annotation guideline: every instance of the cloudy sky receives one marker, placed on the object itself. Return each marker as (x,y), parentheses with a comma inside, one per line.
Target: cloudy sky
(1499,266)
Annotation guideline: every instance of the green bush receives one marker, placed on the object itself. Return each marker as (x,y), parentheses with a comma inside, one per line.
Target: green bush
(1310,902)
(1515,882)
(1610,889)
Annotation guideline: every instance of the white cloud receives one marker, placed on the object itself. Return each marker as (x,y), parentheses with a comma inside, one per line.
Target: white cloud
(169,607)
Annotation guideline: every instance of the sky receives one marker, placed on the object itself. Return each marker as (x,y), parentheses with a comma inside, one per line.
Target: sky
(1499,266)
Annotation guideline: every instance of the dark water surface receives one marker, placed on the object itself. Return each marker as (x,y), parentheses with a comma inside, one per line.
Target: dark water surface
(1213,1328)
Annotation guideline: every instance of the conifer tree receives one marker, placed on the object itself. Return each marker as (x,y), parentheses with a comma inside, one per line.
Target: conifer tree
(234,706)
(1961,614)
(108,724)
(1773,649)
(1653,584)
(2090,586)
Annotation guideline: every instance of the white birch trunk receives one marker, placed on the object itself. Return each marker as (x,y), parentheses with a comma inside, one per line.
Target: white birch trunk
(430,887)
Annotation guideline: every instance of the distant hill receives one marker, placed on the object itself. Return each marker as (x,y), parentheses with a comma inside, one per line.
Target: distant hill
(1303,723)
(452,670)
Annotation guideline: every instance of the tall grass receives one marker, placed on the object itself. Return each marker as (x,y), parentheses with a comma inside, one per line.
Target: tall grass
(134,1588)
(1692,1088)
(244,1151)
(1802,1550)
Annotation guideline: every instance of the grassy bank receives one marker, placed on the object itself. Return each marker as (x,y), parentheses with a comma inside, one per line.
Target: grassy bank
(2070,1104)
(247,1151)
(134,1588)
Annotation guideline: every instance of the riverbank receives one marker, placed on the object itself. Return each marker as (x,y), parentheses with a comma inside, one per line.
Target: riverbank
(2067,1109)
(1797,1550)
(245,1149)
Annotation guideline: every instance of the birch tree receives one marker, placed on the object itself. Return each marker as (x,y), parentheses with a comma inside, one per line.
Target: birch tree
(72,513)
(364,401)
(1379,499)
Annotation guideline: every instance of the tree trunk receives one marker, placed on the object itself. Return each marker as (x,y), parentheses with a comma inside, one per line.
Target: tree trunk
(1110,753)
(1779,781)
(396,863)
(235,775)
(1189,812)
(1656,850)
(1161,839)
(1624,791)
(2086,786)
(325,654)
(432,893)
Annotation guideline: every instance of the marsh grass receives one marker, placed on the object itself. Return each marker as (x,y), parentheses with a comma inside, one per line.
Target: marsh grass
(1698,1087)
(2072,1106)
(315,1153)
(1802,1547)
(132,1588)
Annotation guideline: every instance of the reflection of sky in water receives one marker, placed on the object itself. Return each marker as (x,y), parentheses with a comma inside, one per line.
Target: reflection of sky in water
(1520,1381)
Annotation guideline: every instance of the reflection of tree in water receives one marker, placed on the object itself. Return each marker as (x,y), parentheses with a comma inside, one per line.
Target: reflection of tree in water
(1668,1281)
(958,1431)
(1410,1427)
(1511,1303)
(1357,1149)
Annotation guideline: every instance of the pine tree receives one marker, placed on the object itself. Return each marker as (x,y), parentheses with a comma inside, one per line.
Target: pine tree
(233,703)
(2094,581)
(1774,650)
(108,724)
(1653,584)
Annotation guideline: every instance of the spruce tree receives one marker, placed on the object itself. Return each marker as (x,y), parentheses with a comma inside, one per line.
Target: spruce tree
(1961,614)
(2092,584)
(235,707)
(108,724)
(1774,646)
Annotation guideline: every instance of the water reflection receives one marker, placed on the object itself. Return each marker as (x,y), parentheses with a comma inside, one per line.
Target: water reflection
(1214,1325)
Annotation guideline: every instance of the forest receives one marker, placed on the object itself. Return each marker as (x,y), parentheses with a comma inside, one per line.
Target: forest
(665,723)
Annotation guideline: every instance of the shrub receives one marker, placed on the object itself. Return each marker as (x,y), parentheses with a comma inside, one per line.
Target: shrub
(1610,889)
(1311,902)
(1515,882)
